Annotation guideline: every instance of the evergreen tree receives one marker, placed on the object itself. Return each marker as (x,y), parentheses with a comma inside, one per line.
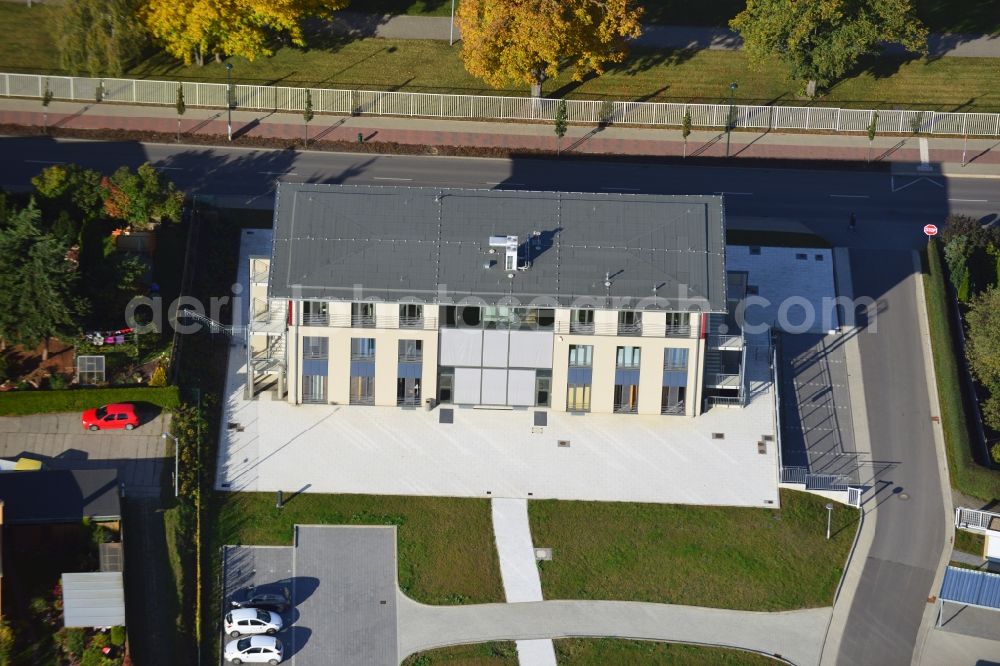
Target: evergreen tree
(98,36)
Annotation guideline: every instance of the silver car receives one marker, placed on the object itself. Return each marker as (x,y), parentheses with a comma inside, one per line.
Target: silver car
(254,650)
(252,621)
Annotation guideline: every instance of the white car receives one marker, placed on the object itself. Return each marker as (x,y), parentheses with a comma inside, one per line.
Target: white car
(252,621)
(254,650)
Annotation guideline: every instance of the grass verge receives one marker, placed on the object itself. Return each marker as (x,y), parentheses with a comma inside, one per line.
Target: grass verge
(601,651)
(945,84)
(21,403)
(967,476)
(445,550)
(740,558)
(969,542)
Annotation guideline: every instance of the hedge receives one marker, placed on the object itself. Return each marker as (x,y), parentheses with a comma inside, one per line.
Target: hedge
(967,475)
(21,403)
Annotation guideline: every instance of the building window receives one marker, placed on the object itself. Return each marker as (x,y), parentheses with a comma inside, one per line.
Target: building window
(446,385)
(362,390)
(626,398)
(461,316)
(675,358)
(628,357)
(543,388)
(629,322)
(678,324)
(363,315)
(411,315)
(314,389)
(362,348)
(408,391)
(578,398)
(672,400)
(581,322)
(581,356)
(315,347)
(315,313)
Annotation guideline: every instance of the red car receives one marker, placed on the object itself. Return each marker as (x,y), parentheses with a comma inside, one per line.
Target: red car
(110,417)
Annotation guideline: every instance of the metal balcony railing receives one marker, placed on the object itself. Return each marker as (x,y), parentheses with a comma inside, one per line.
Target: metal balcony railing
(362,356)
(313,355)
(315,319)
(581,328)
(624,408)
(672,366)
(578,406)
(630,328)
(630,365)
(411,322)
(362,400)
(411,357)
(580,364)
(259,270)
(408,401)
(677,331)
(362,321)
(677,409)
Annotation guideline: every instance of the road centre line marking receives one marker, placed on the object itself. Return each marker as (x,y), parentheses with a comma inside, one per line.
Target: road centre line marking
(971,200)
(43,162)
(850,196)
(387,178)
(278,173)
(745,194)
(630,189)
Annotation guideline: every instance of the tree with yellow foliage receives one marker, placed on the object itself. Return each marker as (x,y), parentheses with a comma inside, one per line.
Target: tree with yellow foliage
(193,29)
(508,42)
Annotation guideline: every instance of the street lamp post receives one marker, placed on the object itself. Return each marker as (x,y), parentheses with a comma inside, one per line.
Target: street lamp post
(177,452)
(229,100)
(829,514)
(729,118)
(451,30)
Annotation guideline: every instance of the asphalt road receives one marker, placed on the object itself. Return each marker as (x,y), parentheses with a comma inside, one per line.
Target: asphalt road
(897,575)
(891,211)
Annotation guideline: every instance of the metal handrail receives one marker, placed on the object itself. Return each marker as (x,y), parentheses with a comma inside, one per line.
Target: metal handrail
(632,329)
(625,409)
(581,328)
(361,321)
(315,319)
(673,409)
(407,357)
(411,322)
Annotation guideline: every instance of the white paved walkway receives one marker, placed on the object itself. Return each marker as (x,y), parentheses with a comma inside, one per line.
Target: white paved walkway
(795,635)
(519,571)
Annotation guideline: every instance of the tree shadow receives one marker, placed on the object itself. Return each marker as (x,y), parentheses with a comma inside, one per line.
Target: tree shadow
(643,59)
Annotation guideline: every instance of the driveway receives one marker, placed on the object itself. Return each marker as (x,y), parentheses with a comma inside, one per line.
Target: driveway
(59,441)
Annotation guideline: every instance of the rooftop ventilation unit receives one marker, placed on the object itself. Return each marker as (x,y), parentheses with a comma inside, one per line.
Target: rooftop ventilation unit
(509,243)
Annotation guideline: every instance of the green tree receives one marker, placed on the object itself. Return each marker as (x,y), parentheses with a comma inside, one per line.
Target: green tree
(37,300)
(307,115)
(142,196)
(98,36)
(983,342)
(686,129)
(821,40)
(561,124)
(872,128)
(6,643)
(46,100)
(69,197)
(181,108)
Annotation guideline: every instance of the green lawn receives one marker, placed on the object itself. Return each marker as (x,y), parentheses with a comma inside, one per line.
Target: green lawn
(748,559)
(966,474)
(969,542)
(702,76)
(601,651)
(20,403)
(446,552)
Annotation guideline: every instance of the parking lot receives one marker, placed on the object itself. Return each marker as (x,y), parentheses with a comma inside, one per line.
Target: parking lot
(341,582)
(61,443)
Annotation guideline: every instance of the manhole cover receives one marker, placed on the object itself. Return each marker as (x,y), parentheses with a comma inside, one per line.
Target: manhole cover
(904,496)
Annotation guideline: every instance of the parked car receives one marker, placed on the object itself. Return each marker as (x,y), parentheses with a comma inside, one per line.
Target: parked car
(252,621)
(254,650)
(111,417)
(252,598)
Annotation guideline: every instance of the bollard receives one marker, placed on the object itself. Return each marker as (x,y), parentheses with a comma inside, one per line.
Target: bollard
(361,137)
(281,501)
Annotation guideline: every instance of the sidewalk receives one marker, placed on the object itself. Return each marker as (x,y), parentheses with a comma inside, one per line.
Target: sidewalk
(361,25)
(983,155)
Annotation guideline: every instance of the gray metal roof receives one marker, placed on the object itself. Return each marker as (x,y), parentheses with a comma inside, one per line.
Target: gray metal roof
(93,599)
(357,242)
(972,588)
(59,496)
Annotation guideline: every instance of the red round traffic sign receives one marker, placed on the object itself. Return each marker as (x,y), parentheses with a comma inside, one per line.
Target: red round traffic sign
(930,229)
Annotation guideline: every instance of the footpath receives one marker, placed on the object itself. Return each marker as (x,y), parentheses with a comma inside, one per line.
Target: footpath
(980,156)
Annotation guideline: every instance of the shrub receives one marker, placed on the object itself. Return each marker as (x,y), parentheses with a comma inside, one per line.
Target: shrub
(159,377)
(6,642)
(995,452)
(118,636)
(4,368)
(58,382)
(72,641)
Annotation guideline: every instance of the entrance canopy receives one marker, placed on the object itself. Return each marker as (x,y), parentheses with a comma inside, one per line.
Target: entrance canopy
(971,588)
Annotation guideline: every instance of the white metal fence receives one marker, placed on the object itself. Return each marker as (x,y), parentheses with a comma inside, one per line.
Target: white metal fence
(976,520)
(491,107)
